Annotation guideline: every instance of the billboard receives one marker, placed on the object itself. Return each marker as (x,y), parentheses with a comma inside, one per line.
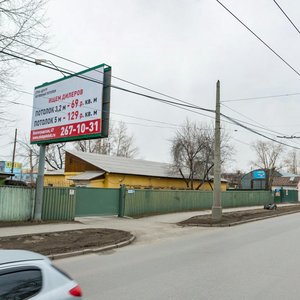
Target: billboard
(259,174)
(6,166)
(70,108)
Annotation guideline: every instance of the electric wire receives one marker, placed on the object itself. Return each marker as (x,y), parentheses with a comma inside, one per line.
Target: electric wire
(261,97)
(59,69)
(82,65)
(286,16)
(151,97)
(172,103)
(261,40)
(112,86)
(260,134)
(259,124)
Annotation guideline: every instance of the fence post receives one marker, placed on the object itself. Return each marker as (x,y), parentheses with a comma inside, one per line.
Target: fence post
(122,194)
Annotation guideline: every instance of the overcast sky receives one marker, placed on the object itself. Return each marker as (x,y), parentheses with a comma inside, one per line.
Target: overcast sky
(179,48)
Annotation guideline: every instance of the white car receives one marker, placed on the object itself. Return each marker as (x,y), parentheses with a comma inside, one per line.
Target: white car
(29,275)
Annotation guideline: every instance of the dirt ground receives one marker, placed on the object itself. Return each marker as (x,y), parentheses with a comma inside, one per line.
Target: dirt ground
(30,223)
(65,241)
(230,218)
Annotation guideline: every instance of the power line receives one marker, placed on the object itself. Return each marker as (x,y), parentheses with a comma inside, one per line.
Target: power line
(286,15)
(112,86)
(262,97)
(259,124)
(261,40)
(172,103)
(187,107)
(82,65)
(256,132)
(232,121)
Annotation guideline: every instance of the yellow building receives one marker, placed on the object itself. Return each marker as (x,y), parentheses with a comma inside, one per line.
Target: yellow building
(103,171)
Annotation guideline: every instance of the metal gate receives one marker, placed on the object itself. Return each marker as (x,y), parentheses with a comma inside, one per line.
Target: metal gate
(284,195)
(96,202)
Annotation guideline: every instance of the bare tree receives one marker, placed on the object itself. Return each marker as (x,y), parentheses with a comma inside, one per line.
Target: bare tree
(192,152)
(291,162)
(118,143)
(54,156)
(268,156)
(123,143)
(22,32)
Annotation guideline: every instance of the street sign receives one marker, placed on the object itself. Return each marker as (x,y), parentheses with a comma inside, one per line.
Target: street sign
(71,108)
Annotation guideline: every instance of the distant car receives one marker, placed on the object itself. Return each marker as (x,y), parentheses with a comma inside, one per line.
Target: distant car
(29,275)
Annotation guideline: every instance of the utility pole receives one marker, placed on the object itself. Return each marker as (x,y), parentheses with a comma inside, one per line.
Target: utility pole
(14,154)
(31,167)
(40,185)
(217,208)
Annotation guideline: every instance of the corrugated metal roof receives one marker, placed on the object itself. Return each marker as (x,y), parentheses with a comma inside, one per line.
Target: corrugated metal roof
(124,165)
(55,172)
(88,175)
(286,181)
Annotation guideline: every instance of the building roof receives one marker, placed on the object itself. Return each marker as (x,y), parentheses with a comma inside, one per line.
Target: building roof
(4,175)
(286,181)
(88,175)
(55,172)
(124,165)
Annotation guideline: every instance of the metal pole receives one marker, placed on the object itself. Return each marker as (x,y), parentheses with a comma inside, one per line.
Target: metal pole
(40,185)
(31,168)
(14,155)
(217,208)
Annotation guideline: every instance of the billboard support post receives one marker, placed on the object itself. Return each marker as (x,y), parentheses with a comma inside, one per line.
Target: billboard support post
(14,154)
(38,205)
(106,102)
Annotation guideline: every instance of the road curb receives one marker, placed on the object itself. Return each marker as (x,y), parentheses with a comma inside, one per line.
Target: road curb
(241,222)
(91,250)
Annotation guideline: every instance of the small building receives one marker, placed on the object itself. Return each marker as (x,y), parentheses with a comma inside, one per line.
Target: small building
(103,171)
(7,166)
(286,182)
(233,179)
(4,176)
(256,180)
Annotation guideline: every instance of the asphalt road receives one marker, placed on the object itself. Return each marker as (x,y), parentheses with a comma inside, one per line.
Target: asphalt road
(257,260)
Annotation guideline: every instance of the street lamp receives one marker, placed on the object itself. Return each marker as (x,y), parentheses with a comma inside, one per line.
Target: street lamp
(40,62)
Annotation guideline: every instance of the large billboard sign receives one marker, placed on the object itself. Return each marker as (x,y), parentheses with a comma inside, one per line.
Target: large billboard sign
(71,108)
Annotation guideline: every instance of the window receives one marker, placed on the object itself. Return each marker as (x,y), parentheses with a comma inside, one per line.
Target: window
(20,283)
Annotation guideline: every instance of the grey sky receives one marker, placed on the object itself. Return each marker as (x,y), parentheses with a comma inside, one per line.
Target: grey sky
(180,48)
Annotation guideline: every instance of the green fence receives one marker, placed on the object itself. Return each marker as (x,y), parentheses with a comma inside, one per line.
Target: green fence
(96,202)
(241,198)
(16,203)
(58,204)
(147,202)
(285,195)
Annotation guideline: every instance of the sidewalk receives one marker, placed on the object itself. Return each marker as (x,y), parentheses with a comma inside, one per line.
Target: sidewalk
(147,230)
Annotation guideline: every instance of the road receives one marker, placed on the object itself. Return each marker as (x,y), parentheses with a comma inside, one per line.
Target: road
(257,260)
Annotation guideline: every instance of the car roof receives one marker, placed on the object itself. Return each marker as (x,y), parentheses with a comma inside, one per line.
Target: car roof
(12,256)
